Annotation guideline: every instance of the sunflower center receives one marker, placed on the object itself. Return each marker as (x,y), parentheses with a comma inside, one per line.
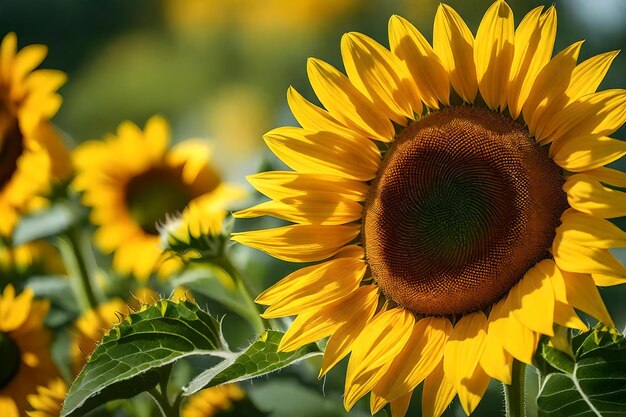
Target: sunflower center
(11,144)
(10,354)
(463,205)
(155,193)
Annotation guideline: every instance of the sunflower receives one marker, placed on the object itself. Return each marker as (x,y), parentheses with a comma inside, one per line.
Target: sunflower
(31,152)
(38,257)
(455,200)
(49,399)
(24,344)
(213,401)
(132,180)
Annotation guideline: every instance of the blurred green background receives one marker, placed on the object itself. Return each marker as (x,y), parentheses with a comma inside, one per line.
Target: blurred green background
(219,69)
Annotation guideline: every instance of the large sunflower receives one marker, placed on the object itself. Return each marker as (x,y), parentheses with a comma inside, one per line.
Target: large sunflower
(24,349)
(31,152)
(458,197)
(132,180)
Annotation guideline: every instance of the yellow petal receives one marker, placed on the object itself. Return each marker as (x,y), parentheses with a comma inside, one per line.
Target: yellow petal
(532,298)
(516,338)
(534,43)
(299,243)
(496,361)
(346,103)
(14,311)
(7,54)
(608,280)
(594,114)
(326,319)
(565,315)
(547,94)
(342,340)
(588,75)
(493,54)
(307,209)
(582,153)
(400,406)
(585,193)
(313,287)
(417,360)
(573,257)
(324,153)
(284,184)
(454,44)
(428,73)
(376,403)
(464,348)
(381,340)
(472,389)
(591,231)
(608,176)
(375,72)
(583,294)
(27,59)
(437,394)
(314,118)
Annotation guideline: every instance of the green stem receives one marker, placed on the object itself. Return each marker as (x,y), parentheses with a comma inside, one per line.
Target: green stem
(247,291)
(81,264)
(514,394)
(159,394)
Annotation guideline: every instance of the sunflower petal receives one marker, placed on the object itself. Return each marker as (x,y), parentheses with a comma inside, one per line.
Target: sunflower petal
(534,43)
(14,311)
(417,360)
(381,340)
(493,54)
(547,94)
(585,193)
(427,71)
(535,289)
(284,184)
(583,153)
(438,393)
(591,231)
(565,315)
(324,153)
(400,406)
(454,44)
(472,390)
(594,114)
(344,102)
(342,340)
(376,403)
(496,361)
(373,70)
(314,287)
(583,294)
(588,75)
(464,348)
(608,176)
(299,243)
(516,338)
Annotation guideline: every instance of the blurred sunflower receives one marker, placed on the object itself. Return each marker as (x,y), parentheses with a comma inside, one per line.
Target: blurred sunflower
(212,402)
(31,152)
(49,399)
(38,257)
(457,225)
(90,328)
(24,344)
(132,180)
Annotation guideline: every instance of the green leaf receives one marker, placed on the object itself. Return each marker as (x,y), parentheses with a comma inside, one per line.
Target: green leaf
(595,385)
(44,224)
(557,359)
(128,360)
(260,358)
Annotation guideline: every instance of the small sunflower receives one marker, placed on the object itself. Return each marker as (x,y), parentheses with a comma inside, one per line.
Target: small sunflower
(457,198)
(212,402)
(24,349)
(31,152)
(132,180)
(38,257)
(49,399)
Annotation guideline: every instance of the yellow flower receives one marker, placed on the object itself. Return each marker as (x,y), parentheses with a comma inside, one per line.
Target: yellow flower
(454,226)
(91,327)
(24,344)
(31,152)
(212,401)
(29,259)
(49,399)
(132,180)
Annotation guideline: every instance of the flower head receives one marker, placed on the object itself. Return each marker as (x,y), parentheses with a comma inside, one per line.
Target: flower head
(24,348)
(212,402)
(455,200)
(132,181)
(31,152)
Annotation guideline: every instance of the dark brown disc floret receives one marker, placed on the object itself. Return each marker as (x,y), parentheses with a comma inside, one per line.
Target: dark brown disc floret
(464,203)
